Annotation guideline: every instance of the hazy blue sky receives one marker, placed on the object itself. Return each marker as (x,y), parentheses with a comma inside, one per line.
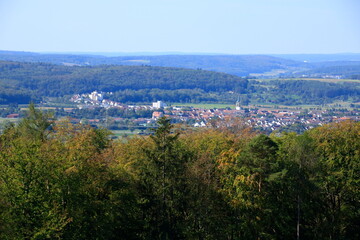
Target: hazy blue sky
(215,26)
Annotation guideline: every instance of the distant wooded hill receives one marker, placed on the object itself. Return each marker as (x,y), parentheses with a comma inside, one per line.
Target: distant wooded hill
(348,71)
(321,58)
(20,82)
(239,65)
(24,82)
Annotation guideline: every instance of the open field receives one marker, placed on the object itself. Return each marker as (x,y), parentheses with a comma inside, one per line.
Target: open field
(123,132)
(124,135)
(5,121)
(337,104)
(331,80)
(204,105)
(127,132)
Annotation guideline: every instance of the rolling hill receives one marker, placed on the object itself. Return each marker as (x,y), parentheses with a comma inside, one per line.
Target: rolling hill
(240,65)
(141,83)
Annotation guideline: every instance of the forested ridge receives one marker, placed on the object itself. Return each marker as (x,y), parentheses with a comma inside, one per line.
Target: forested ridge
(65,181)
(24,82)
(347,71)
(239,65)
(297,92)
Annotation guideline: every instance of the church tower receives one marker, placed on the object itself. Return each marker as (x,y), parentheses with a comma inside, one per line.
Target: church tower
(237,106)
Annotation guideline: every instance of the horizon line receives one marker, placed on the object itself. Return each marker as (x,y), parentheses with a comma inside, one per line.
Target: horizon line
(150,53)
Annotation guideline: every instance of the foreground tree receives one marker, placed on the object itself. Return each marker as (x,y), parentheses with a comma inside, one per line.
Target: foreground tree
(63,184)
(338,146)
(30,181)
(163,185)
(65,181)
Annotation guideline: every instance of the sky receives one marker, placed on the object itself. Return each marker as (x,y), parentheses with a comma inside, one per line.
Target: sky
(188,26)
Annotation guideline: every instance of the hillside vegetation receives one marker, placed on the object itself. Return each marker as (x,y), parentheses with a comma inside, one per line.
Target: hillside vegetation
(240,65)
(64,181)
(22,82)
(348,71)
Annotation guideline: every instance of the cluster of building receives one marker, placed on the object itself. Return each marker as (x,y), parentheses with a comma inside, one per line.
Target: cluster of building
(94,99)
(264,118)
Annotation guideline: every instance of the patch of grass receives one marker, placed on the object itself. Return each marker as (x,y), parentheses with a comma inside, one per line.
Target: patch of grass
(204,105)
(4,120)
(273,106)
(122,132)
(331,80)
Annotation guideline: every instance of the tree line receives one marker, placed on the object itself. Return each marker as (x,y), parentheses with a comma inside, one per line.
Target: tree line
(239,65)
(37,80)
(22,82)
(65,181)
(345,71)
(297,92)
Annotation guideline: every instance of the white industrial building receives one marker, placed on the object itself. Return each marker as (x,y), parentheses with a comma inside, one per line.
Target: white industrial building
(159,104)
(96,96)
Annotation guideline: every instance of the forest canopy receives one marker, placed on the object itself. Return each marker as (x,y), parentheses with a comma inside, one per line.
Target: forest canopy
(24,82)
(65,181)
